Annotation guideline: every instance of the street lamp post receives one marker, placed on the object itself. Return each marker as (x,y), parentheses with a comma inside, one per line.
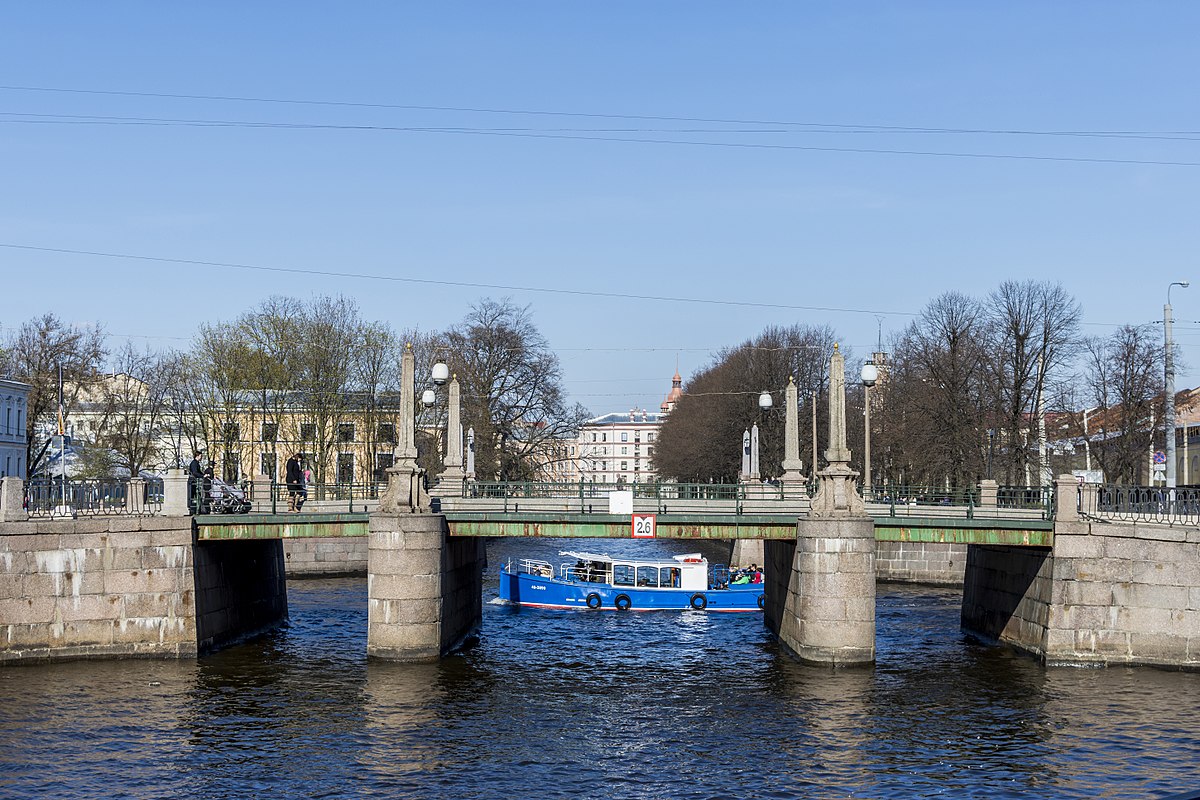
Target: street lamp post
(869,375)
(764,405)
(1169,375)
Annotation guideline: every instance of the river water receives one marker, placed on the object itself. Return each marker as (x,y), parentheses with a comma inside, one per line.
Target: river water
(554,704)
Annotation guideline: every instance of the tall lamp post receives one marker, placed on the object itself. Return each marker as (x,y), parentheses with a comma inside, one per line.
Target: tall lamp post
(869,375)
(764,405)
(1169,374)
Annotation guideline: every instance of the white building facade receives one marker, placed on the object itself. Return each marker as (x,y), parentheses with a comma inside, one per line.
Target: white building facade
(617,447)
(14,411)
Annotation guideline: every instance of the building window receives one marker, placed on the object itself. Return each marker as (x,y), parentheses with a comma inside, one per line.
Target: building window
(270,431)
(308,432)
(593,437)
(624,466)
(649,437)
(345,432)
(231,471)
(604,437)
(387,432)
(267,464)
(624,436)
(624,451)
(345,468)
(637,436)
(383,461)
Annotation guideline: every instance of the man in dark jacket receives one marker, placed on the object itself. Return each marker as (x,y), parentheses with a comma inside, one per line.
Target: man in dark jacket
(195,480)
(295,483)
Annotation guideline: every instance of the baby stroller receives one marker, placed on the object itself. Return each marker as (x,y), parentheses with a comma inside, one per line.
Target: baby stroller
(225,498)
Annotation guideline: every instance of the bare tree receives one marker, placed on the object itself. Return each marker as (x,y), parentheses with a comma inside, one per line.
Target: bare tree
(34,356)
(1125,380)
(376,380)
(328,332)
(512,389)
(135,412)
(1033,337)
(272,333)
(701,439)
(934,415)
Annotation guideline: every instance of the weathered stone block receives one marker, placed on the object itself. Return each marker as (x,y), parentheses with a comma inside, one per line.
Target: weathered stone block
(88,607)
(403,587)
(1159,647)
(166,557)
(1078,546)
(1155,596)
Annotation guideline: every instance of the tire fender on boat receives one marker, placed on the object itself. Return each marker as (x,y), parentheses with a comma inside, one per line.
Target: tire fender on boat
(593,601)
(699,601)
(622,602)
(762,601)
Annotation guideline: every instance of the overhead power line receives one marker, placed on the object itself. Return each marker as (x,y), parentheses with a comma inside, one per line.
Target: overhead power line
(460,284)
(832,126)
(243,124)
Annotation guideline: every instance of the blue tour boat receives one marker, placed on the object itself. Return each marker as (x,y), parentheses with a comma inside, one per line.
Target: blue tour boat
(591,581)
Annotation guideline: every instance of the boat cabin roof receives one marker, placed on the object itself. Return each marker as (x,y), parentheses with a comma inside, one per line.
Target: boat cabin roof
(687,558)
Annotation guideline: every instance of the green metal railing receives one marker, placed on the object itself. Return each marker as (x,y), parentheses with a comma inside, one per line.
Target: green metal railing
(49,497)
(587,495)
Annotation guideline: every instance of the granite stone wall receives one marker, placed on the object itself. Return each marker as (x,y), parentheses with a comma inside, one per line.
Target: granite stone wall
(97,588)
(778,576)
(931,563)
(241,591)
(1125,594)
(1006,595)
(424,587)
(829,614)
(325,556)
(1107,594)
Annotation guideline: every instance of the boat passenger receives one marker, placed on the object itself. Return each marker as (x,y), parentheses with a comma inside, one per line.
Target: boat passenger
(757,576)
(741,579)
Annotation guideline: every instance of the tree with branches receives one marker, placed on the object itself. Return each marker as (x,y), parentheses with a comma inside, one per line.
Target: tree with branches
(701,439)
(512,389)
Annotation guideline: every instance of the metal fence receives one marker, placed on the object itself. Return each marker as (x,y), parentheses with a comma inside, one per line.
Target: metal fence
(331,496)
(911,495)
(95,497)
(665,496)
(662,490)
(1141,503)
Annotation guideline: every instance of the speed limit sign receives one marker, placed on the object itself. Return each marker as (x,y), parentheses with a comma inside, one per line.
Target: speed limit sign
(643,526)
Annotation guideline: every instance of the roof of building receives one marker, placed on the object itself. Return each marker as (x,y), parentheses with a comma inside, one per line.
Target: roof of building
(634,417)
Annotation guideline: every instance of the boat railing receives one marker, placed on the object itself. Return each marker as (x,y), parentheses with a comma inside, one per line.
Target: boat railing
(585,574)
(533,566)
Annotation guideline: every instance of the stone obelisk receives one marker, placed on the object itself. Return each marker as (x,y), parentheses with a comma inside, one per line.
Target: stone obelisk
(406,481)
(829,614)
(453,476)
(793,467)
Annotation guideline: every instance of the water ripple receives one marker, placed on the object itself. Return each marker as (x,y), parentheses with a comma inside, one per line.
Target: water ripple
(596,705)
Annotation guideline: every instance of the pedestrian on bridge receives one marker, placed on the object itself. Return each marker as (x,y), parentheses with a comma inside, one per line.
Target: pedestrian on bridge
(295,483)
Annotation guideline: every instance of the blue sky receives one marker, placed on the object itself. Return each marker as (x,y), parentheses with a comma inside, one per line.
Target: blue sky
(879,233)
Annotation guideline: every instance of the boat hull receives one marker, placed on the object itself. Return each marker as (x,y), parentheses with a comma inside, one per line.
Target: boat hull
(524,589)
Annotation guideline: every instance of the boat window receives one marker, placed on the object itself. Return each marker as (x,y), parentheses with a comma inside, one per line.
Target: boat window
(622,575)
(647,576)
(669,576)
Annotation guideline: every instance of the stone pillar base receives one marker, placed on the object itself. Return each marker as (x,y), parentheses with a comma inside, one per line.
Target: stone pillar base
(829,614)
(747,552)
(424,588)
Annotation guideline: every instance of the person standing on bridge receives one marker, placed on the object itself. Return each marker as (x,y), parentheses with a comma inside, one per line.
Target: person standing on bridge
(295,483)
(195,480)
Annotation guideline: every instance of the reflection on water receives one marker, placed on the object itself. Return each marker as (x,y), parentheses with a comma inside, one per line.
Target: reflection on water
(576,704)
